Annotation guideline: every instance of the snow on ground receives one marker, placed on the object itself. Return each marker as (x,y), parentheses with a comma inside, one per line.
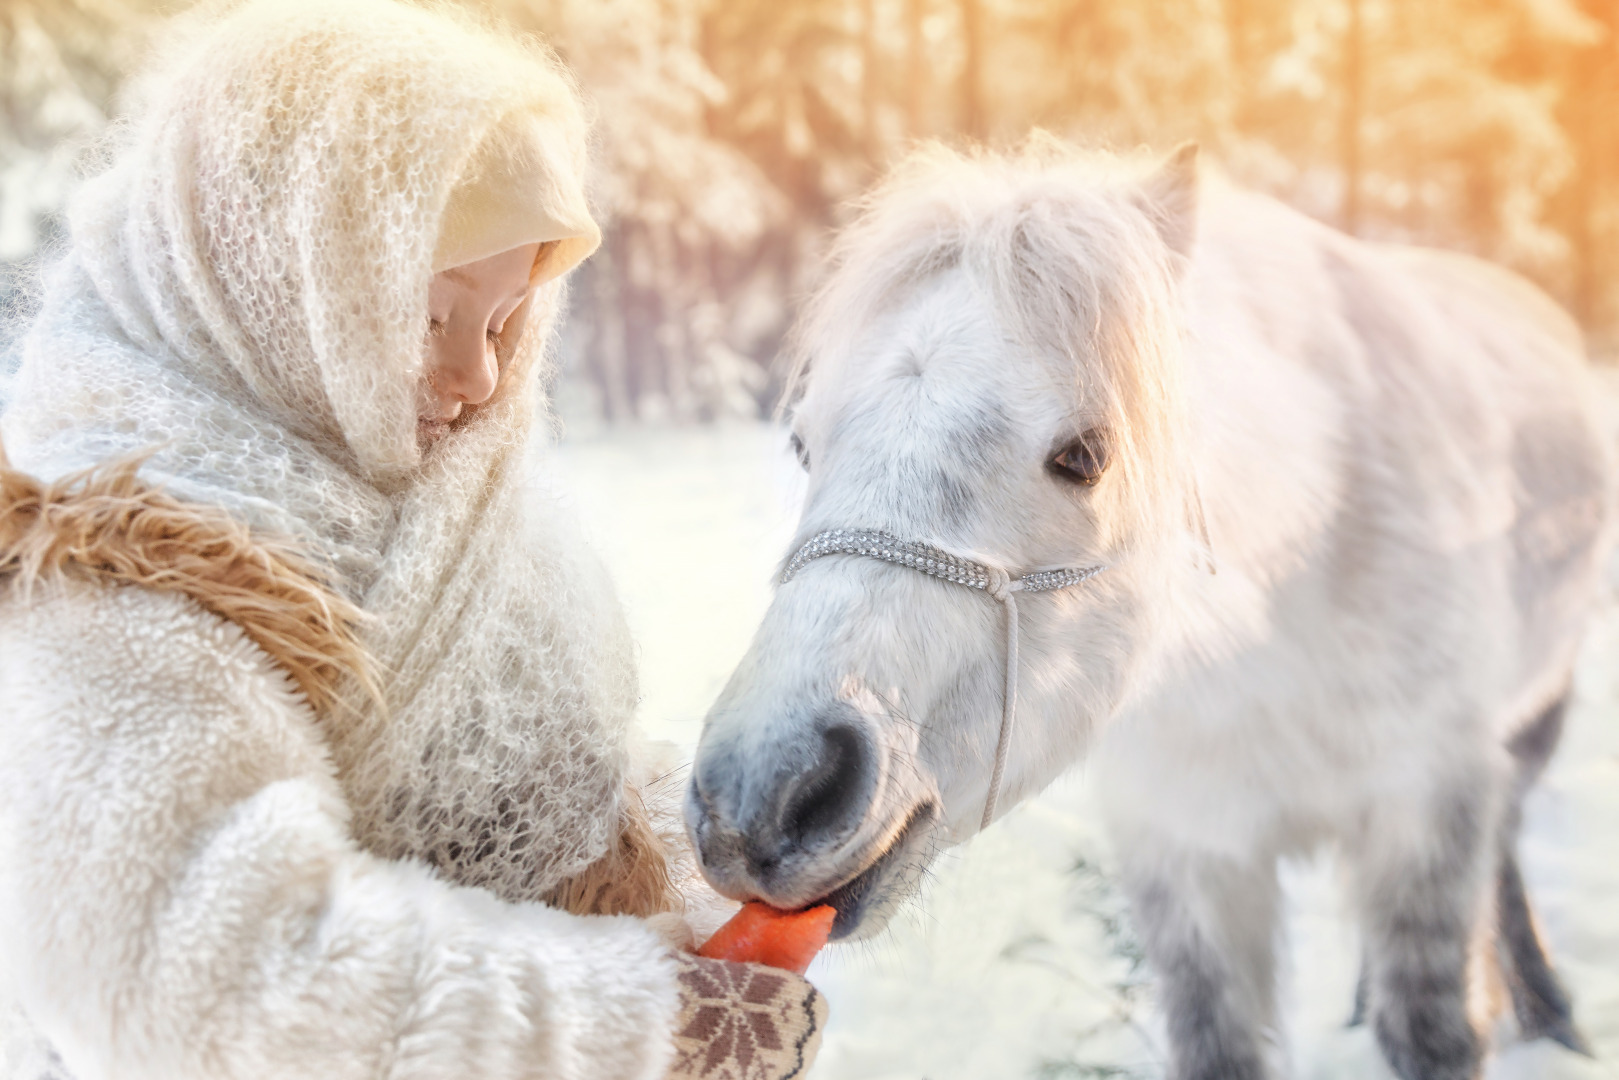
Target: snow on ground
(1019,963)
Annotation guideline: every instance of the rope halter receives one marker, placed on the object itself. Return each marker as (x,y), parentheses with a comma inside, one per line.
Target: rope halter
(936,562)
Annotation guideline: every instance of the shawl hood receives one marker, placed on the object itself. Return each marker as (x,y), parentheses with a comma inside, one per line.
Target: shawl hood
(274,216)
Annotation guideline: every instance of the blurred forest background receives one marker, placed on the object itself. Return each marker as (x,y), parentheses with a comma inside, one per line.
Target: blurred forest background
(732,134)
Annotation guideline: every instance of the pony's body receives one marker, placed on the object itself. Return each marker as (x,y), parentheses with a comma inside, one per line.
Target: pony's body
(1392,503)
(1352,523)
(1403,499)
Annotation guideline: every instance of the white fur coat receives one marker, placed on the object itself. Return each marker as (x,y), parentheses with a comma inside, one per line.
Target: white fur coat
(183,896)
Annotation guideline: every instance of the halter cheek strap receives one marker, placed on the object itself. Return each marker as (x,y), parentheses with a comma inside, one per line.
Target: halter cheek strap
(987,578)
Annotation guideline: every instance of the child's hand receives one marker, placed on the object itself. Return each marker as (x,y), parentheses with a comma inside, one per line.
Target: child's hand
(744,1022)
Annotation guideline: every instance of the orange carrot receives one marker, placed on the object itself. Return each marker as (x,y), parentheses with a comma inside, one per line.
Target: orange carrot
(761,934)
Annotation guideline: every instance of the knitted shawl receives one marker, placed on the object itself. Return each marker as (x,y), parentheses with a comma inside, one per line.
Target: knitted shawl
(244,300)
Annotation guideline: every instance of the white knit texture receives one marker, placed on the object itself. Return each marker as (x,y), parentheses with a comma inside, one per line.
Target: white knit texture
(246,291)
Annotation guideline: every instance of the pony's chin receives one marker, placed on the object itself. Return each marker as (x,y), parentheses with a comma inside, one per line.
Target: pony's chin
(867,901)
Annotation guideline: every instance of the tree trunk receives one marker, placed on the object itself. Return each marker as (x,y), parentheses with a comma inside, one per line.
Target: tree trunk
(915,73)
(972,90)
(869,88)
(1350,134)
(1592,130)
(1582,237)
(1239,39)
(607,345)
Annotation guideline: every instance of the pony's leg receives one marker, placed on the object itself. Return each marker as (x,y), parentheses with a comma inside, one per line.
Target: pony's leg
(1420,870)
(1208,927)
(1363,989)
(1539,1001)
(1541,1004)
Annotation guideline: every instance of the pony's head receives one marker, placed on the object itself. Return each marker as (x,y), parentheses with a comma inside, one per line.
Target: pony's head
(991,368)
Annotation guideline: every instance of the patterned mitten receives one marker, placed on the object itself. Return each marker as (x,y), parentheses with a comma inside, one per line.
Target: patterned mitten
(744,1022)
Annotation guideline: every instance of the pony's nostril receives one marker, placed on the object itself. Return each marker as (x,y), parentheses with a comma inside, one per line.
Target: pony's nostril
(834,792)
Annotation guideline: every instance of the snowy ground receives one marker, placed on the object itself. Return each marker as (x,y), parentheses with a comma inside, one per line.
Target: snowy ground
(1019,962)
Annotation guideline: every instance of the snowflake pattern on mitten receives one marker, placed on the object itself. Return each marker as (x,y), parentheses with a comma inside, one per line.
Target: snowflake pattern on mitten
(744,1022)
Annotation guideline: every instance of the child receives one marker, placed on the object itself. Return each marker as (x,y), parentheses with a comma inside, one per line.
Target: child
(313,729)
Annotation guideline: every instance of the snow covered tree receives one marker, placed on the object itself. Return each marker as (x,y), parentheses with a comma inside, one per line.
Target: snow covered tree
(731,133)
(675,313)
(60,64)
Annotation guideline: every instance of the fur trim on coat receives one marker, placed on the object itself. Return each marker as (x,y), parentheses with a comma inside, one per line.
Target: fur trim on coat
(108,523)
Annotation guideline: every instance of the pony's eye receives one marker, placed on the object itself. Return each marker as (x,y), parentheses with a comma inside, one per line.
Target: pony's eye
(1083,461)
(801,450)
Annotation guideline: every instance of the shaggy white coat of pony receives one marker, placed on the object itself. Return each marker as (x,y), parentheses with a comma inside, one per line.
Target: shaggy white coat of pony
(198,876)
(1350,500)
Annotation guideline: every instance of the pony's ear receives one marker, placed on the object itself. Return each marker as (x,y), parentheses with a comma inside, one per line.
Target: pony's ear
(1169,197)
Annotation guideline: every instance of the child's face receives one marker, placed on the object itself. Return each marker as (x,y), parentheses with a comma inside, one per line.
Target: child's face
(472,311)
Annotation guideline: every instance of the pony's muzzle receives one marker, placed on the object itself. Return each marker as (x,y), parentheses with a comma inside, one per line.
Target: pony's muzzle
(776,823)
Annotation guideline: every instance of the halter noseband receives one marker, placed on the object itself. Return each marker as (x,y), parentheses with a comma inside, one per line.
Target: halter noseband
(936,562)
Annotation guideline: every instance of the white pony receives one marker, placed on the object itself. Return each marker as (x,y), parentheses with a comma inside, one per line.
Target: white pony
(1349,503)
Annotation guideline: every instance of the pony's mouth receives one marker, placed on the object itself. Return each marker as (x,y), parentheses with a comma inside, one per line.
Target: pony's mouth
(882,885)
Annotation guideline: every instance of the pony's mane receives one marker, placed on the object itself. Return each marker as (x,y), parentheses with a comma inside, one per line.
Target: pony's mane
(1065,245)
